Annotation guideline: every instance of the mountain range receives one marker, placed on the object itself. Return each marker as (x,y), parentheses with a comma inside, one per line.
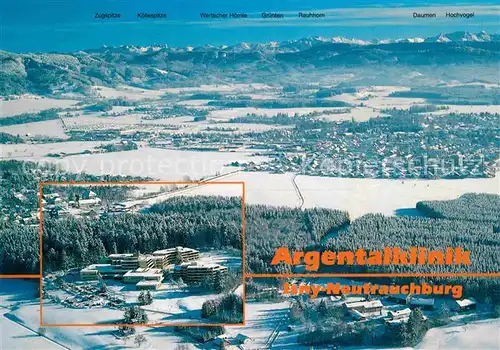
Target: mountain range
(306,43)
(410,61)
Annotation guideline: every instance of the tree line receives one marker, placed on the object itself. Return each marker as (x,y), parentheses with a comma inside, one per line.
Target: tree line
(376,232)
(6,138)
(290,103)
(478,207)
(48,114)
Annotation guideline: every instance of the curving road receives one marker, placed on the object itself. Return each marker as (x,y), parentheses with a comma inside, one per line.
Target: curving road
(297,190)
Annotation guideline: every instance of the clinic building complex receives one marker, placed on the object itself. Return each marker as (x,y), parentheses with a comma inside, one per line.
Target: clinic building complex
(147,271)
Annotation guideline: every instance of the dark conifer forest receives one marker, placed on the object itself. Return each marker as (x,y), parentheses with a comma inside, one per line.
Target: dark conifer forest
(478,207)
(216,222)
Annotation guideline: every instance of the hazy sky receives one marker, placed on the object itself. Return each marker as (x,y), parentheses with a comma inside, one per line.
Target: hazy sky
(69,25)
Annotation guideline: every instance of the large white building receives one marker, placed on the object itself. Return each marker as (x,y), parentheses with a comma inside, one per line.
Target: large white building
(194,272)
(164,258)
(147,270)
(143,274)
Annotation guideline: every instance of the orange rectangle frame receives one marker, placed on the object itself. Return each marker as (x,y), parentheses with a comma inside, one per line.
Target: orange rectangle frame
(196,184)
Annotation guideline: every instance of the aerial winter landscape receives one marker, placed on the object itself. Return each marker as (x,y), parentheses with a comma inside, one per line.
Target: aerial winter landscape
(158,162)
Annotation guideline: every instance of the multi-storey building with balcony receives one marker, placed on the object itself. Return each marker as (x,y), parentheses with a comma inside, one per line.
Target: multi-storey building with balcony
(194,272)
(146,271)
(177,255)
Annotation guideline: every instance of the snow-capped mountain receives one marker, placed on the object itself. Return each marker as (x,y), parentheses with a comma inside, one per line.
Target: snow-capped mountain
(307,43)
(303,44)
(463,36)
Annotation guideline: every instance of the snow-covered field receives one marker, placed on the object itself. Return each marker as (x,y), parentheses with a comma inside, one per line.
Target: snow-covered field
(48,128)
(219,88)
(15,291)
(362,196)
(127,92)
(359,114)
(133,93)
(171,305)
(378,97)
(261,188)
(31,104)
(262,319)
(358,196)
(161,164)
(227,114)
(480,335)
(14,335)
(232,261)
(468,109)
(93,120)
(169,165)
(14,332)
(38,152)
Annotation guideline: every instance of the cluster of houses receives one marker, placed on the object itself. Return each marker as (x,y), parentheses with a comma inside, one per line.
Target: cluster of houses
(54,205)
(369,309)
(368,154)
(393,166)
(225,341)
(86,204)
(366,309)
(394,308)
(363,310)
(147,271)
(19,209)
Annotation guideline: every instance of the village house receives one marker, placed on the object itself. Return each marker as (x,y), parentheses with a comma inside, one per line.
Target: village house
(464,305)
(364,309)
(398,316)
(88,194)
(89,203)
(422,303)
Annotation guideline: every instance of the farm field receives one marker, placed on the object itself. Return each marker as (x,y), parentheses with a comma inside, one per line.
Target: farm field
(38,152)
(49,128)
(159,164)
(31,104)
